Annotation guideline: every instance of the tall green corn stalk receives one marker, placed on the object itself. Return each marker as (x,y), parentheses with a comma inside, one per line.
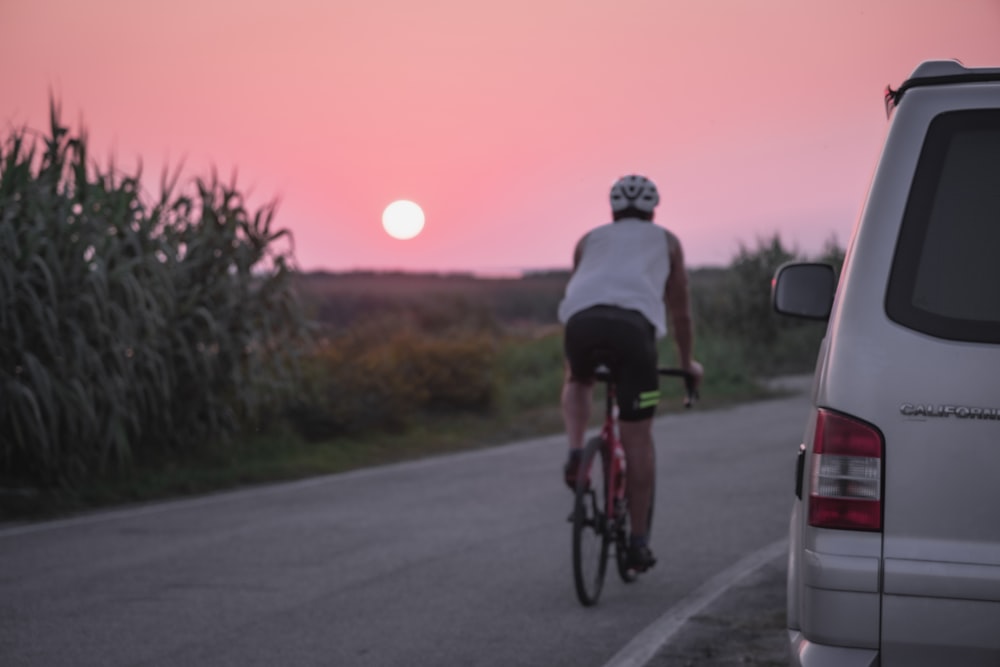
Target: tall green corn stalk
(131,328)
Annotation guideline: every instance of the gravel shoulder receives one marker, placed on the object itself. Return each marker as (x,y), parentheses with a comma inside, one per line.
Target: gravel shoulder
(746,626)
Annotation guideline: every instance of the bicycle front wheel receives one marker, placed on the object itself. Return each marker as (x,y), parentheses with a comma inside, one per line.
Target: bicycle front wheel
(591,537)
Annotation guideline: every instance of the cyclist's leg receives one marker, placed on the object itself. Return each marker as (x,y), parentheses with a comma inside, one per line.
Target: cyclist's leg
(638,394)
(581,334)
(576,401)
(637,440)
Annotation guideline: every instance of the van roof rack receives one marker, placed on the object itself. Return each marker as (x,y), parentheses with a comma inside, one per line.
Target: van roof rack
(936,73)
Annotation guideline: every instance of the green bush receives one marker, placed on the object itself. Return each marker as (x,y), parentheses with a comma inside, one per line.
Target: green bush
(531,369)
(130,327)
(734,306)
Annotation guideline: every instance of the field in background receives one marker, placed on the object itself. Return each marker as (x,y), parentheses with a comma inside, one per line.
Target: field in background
(400,349)
(410,365)
(157,347)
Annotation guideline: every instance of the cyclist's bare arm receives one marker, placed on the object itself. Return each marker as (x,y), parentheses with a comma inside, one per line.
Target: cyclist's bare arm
(677,298)
(578,251)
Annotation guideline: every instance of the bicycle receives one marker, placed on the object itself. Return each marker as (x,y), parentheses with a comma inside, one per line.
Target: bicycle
(600,506)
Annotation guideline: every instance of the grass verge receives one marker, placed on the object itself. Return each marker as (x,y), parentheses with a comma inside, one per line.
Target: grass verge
(282,455)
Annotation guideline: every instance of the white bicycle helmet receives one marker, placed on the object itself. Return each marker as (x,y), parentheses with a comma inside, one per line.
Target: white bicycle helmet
(634,192)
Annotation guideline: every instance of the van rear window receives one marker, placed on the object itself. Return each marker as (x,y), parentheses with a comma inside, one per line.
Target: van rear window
(945,278)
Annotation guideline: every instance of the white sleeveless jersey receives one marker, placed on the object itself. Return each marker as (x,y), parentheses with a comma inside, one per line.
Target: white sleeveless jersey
(624,264)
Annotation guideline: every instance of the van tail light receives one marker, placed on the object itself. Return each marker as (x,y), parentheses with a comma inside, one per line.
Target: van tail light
(846,477)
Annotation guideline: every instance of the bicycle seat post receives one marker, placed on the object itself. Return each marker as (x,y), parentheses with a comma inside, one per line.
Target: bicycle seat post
(603,373)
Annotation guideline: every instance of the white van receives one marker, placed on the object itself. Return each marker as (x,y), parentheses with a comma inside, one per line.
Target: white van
(894,554)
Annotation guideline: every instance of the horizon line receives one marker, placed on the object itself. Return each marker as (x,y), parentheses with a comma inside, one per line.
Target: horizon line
(498,273)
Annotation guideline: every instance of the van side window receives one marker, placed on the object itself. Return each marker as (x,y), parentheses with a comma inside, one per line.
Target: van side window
(945,278)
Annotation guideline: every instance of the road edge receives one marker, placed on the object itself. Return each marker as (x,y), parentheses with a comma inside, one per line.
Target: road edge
(645,645)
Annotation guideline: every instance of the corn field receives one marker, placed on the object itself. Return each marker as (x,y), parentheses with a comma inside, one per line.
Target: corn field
(132,325)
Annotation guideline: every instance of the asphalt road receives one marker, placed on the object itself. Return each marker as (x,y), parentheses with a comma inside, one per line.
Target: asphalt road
(457,560)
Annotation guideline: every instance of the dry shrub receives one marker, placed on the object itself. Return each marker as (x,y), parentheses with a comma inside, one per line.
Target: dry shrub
(381,376)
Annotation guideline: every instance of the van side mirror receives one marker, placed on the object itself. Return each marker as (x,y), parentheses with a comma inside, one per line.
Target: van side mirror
(804,289)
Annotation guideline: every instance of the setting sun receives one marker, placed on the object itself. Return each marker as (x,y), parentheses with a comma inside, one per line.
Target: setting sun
(403,219)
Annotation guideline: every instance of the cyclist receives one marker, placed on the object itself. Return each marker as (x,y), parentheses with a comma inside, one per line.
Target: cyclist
(627,276)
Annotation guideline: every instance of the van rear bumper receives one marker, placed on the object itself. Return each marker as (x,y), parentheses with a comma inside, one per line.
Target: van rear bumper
(840,599)
(805,653)
(939,612)
(939,631)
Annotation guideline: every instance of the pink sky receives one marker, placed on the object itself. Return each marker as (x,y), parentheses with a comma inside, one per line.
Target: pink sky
(507,122)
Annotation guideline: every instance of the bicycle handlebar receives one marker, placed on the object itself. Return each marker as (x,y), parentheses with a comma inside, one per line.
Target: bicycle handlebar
(690,387)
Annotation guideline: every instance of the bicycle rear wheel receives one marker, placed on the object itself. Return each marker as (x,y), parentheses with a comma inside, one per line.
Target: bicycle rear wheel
(591,537)
(627,574)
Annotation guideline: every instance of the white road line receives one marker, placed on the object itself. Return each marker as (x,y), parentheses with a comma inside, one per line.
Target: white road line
(658,634)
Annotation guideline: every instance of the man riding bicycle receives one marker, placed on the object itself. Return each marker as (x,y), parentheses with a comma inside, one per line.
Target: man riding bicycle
(627,276)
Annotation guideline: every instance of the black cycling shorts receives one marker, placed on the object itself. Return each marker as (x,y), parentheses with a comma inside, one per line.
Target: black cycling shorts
(625,341)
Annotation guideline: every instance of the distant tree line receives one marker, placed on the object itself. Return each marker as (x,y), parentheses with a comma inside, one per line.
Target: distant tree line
(732,303)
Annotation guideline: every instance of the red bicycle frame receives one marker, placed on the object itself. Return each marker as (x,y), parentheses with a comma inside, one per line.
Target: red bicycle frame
(614,454)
